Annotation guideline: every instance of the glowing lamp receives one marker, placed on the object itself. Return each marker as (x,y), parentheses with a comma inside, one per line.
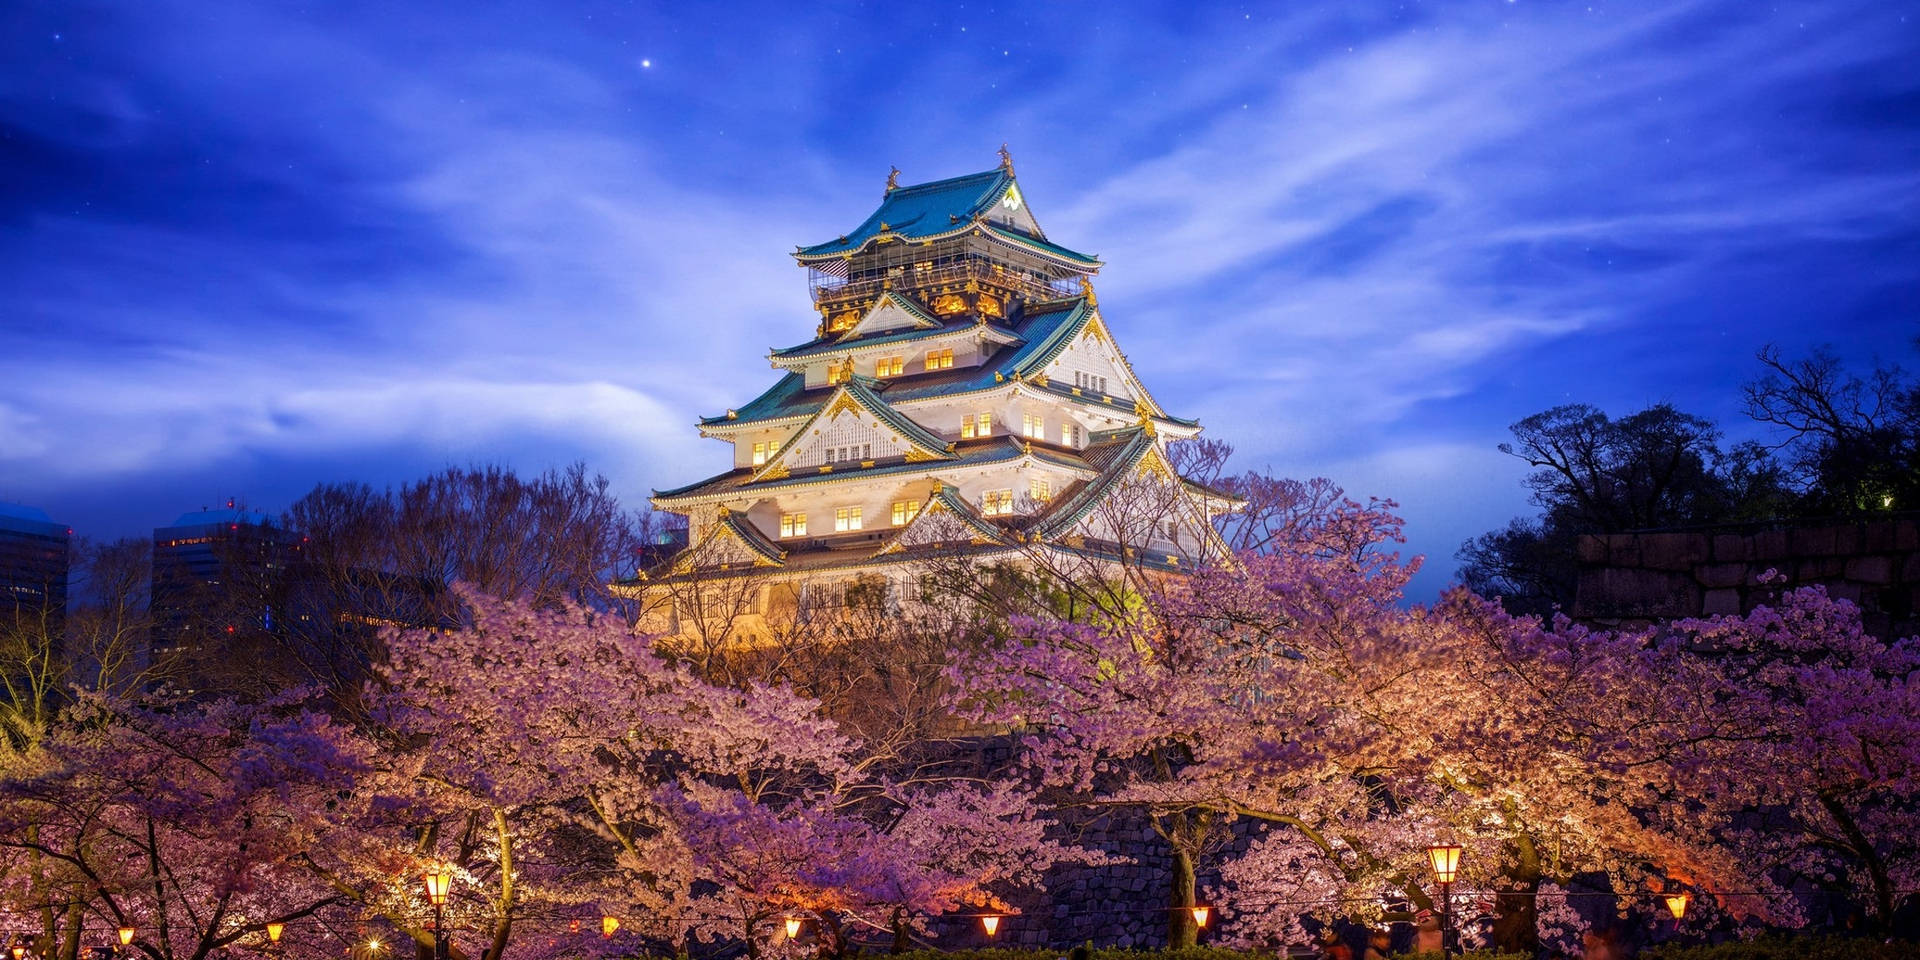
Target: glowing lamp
(991,924)
(1445,858)
(608,924)
(1677,904)
(439,884)
(1201,914)
(793,927)
(274,930)
(19,951)
(126,935)
(374,945)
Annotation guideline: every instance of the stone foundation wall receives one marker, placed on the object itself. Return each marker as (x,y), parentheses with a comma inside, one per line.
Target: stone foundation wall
(1656,575)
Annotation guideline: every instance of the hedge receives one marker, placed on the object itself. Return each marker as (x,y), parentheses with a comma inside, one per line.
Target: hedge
(1190,953)
(1790,948)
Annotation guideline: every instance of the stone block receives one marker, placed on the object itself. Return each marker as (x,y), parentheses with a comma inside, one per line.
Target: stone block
(1623,549)
(1848,540)
(1673,551)
(1817,569)
(1850,592)
(1877,538)
(1636,593)
(1720,603)
(1906,535)
(1910,568)
(1811,541)
(1770,544)
(1722,574)
(1731,548)
(1590,549)
(1875,570)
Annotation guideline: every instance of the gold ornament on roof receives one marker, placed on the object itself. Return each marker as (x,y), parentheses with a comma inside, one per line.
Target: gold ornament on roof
(1006,160)
(1086,290)
(989,307)
(949,304)
(893,179)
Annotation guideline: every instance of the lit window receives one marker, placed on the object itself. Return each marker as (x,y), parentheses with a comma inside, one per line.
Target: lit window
(983,425)
(1041,489)
(939,359)
(839,372)
(793,524)
(996,503)
(846,518)
(762,452)
(1070,434)
(904,511)
(890,367)
(1033,425)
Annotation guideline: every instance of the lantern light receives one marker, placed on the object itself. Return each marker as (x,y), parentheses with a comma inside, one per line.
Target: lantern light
(439,884)
(373,945)
(1201,914)
(19,951)
(793,927)
(1445,858)
(126,935)
(1677,904)
(274,930)
(608,924)
(991,923)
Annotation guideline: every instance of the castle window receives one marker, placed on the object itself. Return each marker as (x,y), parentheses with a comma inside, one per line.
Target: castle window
(1070,434)
(1087,381)
(890,366)
(978,425)
(1033,425)
(845,519)
(839,372)
(939,359)
(904,511)
(1041,489)
(995,503)
(762,452)
(793,524)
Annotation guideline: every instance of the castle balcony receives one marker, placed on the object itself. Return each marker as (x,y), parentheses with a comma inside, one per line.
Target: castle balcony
(924,279)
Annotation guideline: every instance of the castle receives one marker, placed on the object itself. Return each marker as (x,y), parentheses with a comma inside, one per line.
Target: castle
(962,393)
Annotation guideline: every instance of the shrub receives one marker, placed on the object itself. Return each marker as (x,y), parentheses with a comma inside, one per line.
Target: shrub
(1790,948)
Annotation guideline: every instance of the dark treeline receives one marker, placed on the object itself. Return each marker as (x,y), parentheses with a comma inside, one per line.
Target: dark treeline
(1837,443)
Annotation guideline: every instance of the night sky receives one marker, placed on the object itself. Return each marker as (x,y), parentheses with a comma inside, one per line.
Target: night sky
(248,247)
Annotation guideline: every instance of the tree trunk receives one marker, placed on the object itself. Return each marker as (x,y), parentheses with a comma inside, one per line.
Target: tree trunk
(1869,857)
(1516,910)
(901,943)
(503,926)
(1180,929)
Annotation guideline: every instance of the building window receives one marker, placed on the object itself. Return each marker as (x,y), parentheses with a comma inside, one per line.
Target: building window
(996,503)
(762,452)
(1033,425)
(890,367)
(939,359)
(904,511)
(1070,434)
(978,425)
(839,372)
(1041,489)
(845,519)
(793,524)
(1087,381)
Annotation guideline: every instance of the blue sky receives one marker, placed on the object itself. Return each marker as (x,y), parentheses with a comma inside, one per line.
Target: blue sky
(249,247)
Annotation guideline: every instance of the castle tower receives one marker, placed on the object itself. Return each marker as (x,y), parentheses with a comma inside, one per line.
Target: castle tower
(961,391)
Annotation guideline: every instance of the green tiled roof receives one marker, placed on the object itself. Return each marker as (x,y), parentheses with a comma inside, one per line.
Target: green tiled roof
(740,526)
(1115,453)
(927,210)
(922,210)
(993,451)
(829,345)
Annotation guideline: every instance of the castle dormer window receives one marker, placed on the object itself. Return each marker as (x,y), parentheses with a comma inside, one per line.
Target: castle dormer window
(978,425)
(940,359)
(890,367)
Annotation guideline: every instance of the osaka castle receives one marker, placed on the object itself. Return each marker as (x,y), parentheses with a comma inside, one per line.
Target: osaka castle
(961,393)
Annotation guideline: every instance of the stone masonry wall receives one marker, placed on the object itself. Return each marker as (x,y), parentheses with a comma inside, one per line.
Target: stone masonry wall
(1656,575)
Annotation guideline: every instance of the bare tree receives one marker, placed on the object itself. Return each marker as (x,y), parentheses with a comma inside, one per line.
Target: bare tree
(1852,441)
(99,643)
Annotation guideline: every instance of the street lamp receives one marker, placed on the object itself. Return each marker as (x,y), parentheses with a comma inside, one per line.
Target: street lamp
(1445,859)
(608,924)
(991,924)
(126,936)
(439,885)
(274,930)
(1201,914)
(793,928)
(1677,904)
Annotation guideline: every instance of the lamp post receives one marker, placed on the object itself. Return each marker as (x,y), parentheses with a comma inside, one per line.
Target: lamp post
(991,924)
(126,936)
(439,885)
(1445,859)
(793,928)
(1201,914)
